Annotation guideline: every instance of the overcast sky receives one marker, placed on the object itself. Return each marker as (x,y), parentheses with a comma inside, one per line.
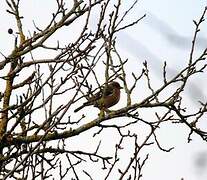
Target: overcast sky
(166,34)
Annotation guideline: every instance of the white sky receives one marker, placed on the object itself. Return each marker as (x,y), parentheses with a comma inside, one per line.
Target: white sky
(156,38)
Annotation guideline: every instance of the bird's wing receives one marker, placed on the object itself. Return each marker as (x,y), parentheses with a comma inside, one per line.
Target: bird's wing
(94,98)
(103,92)
(108,91)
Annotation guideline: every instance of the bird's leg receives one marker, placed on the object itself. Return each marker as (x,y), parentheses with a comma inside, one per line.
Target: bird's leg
(108,111)
(102,113)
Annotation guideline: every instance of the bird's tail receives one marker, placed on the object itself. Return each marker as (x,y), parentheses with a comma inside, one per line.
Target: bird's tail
(79,108)
(88,103)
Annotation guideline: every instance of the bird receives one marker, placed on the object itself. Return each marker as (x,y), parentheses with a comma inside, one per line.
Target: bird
(105,98)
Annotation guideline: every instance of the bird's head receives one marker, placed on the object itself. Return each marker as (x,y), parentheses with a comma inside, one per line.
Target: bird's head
(116,85)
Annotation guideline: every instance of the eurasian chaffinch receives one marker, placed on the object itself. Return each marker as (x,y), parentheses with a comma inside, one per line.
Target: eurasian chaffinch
(105,98)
